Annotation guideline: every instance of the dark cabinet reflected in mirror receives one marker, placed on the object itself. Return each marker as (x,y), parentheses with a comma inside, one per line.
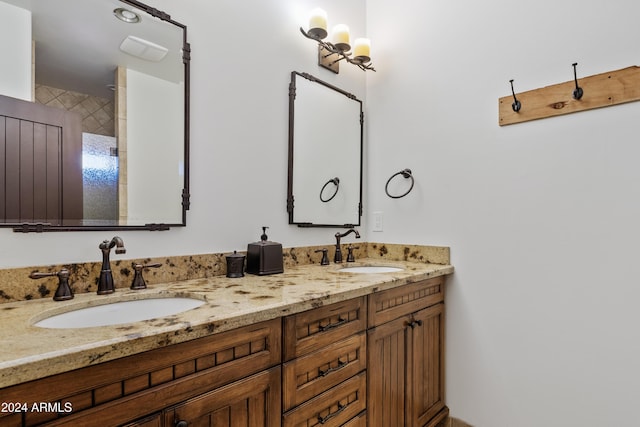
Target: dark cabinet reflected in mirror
(102,142)
(325,154)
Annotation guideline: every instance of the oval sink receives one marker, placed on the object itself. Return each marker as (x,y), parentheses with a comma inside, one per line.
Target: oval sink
(117,313)
(370,269)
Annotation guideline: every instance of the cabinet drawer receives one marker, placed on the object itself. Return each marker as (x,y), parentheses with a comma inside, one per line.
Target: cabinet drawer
(314,373)
(359,421)
(118,391)
(393,303)
(332,408)
(253,401)
(314,329)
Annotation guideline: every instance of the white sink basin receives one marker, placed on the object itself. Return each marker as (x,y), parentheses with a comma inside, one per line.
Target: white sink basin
(370,269)
(116,313)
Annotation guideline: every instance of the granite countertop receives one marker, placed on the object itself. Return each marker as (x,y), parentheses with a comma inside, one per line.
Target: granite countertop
(29,352)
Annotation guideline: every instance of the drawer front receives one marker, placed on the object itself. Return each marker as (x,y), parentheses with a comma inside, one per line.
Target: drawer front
(314,329)
(115,392)
(332,408)
(314,373)
(359,421)
(253,401)
(393,303)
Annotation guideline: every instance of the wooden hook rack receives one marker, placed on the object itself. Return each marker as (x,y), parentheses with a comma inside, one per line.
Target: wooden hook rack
(600,90)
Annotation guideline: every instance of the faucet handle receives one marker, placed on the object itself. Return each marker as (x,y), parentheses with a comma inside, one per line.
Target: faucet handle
(63,292)
(138,280)
(325,257)
(350,256)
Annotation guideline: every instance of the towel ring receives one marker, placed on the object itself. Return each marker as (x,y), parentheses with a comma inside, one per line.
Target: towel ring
(406,173)
(336,182)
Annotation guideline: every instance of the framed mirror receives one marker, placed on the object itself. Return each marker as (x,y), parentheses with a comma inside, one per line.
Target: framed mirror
(325,154)
(108,120)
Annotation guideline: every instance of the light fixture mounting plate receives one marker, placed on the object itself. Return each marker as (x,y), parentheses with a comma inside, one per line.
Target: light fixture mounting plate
(328,60)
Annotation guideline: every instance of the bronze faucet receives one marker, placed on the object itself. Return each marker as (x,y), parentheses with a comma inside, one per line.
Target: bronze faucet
(338,256)
(138,280)
(105,284)
(63,292)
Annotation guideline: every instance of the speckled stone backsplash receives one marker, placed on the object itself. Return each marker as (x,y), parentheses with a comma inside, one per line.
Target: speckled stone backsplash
(15,284)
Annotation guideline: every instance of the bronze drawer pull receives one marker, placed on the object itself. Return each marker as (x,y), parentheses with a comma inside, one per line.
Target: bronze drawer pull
(324,373)
(341,408)
(413,323)
(340,322)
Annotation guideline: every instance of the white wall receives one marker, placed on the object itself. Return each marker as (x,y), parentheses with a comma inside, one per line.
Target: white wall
(15,52)
(151,141)
(241,60)
(542,217)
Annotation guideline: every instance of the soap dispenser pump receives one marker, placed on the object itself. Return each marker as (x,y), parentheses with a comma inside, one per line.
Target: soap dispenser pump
(264,257)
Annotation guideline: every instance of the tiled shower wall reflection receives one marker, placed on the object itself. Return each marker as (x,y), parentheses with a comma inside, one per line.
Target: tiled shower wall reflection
(99,178)
(97,113)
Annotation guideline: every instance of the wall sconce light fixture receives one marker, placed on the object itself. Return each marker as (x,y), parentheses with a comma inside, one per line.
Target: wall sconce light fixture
(331,53)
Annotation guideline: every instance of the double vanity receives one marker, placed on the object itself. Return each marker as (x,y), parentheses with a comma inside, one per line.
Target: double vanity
(345,344)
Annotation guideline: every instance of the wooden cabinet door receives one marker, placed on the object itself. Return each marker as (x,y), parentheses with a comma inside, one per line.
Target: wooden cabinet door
(40,163)
(253,401)
(426,355)
(406,370)
(388,370)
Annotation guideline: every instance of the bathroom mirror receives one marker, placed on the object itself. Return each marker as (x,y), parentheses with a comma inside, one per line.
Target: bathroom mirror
(325,154)
(122,68)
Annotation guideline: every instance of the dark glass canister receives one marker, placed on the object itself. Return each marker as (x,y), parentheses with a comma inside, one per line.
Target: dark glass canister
(235,265)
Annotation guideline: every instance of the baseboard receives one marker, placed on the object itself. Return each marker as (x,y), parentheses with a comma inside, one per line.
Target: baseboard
(455,422)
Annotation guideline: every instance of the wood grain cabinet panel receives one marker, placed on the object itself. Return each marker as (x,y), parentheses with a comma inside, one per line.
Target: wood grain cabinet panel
(387,357)
(310,375)
(405,356)
(388,305)
(253,401)
(154,420)
(332,408)
(359,420)
(324,374)
(116,392)
(427,365)
(314,329)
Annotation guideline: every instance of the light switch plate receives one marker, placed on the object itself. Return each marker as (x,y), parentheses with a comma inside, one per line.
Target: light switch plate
(377,221)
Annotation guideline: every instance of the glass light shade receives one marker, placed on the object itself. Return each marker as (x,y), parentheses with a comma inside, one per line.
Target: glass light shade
(341,37)
(318,23)
(362,50)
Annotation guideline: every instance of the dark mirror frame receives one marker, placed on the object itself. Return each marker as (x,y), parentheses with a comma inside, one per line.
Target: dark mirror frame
(186,58)
(290,195)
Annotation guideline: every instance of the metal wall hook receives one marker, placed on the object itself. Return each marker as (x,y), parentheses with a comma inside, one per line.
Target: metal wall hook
(578,92)
(516,104)
(406,173)
(335,181)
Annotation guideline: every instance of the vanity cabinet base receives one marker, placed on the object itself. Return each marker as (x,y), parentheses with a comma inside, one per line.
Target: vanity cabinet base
(375,360)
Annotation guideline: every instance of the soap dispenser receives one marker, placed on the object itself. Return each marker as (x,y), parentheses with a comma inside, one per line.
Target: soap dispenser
(264,257)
